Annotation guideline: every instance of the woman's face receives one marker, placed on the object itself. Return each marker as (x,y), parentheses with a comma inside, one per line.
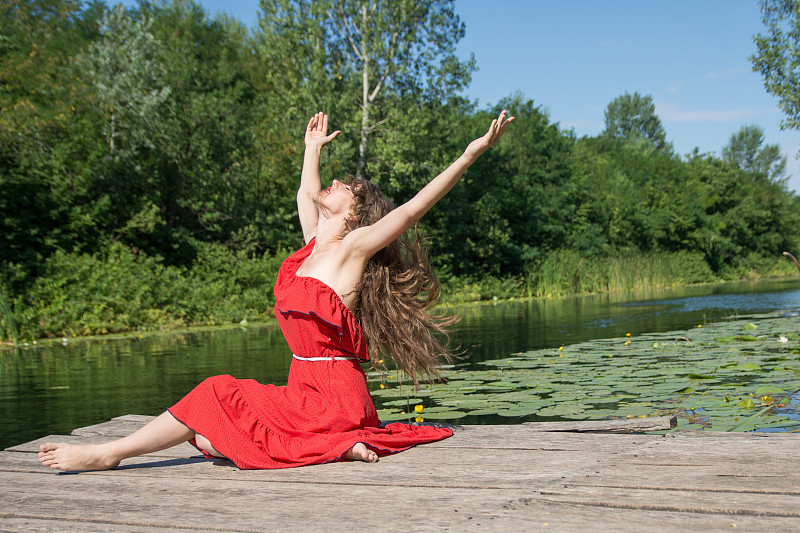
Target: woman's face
(337,199)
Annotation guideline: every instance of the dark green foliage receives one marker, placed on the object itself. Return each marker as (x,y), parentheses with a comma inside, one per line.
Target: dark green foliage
(121,290)
(512,204)
(746,150)
(777,58)
(632,118)
(150,156)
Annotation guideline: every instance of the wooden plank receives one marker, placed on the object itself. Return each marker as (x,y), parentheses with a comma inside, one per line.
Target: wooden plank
(44,524)
(238,506)
(521,436)
(503,478)
(507,469)
(589,451)
(674,500)
(112,429)
(633,425)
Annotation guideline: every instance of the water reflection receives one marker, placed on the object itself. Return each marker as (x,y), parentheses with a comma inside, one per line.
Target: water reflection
(55,389)
(490,331)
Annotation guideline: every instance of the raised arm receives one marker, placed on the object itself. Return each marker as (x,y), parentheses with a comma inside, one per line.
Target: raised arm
(369,239)
(316,137)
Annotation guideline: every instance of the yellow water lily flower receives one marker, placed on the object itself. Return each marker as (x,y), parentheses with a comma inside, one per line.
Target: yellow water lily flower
(419,419)
(418,408)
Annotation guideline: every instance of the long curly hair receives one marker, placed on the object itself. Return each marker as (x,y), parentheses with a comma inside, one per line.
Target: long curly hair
(397,291)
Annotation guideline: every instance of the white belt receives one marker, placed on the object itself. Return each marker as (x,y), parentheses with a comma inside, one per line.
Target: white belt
(341,358)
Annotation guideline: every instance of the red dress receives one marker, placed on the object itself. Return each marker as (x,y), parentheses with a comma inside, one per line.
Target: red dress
(325,408)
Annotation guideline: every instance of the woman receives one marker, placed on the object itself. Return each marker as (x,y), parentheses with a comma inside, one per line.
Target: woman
(357,277)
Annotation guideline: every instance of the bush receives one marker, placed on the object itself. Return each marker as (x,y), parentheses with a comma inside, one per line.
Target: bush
(461,289)
(119,290)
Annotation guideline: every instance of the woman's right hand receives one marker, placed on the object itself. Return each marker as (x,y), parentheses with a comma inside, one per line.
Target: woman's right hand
(317,131)
(496,130)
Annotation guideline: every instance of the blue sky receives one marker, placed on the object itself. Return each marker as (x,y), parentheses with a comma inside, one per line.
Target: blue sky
(573,57)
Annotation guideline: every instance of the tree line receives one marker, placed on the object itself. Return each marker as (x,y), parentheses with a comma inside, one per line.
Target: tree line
(149,159)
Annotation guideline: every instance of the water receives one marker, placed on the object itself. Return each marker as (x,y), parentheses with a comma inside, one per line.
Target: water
(54,389)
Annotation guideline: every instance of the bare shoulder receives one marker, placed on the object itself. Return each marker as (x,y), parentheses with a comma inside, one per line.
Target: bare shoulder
(362,243)
(341,267)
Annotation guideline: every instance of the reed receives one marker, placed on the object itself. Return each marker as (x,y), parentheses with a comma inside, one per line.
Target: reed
(565,272)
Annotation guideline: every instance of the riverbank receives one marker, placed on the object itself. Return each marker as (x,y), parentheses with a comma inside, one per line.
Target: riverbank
(472,296)
(122,292)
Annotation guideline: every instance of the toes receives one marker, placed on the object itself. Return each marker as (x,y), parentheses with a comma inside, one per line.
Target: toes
(45,458)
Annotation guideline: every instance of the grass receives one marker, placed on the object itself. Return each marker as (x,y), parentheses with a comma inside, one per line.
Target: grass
(565,272)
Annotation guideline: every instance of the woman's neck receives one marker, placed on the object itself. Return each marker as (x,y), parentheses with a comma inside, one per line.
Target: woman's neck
(330,233)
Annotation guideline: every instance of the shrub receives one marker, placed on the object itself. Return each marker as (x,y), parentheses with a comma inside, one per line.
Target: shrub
(119,290)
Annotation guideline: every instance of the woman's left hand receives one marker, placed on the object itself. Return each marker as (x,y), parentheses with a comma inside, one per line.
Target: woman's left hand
(317,131)
(496,130)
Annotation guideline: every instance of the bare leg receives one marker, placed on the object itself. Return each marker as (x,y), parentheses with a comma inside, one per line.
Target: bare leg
(360,452)
(162,433)
(206,446)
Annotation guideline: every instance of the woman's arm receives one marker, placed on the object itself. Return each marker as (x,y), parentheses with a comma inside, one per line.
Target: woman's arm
(316,137)
(369,239)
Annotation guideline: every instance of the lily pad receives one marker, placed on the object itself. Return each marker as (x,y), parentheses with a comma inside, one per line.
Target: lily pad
(704,379)
(749,367)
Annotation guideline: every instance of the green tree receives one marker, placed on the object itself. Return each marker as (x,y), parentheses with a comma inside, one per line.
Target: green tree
(300,71)
(740,217)
(632,117)
(746,150)
(629,199)
(46,177)
(375,53)
(777,57)
(126,71)
(401,45)
(201,177)
(511,206)
(303,68)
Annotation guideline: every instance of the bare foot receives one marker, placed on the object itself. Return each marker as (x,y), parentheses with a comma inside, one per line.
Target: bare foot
(360,452)
(72,457)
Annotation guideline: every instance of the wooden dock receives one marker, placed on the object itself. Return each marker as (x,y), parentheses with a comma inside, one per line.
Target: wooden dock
(528,477)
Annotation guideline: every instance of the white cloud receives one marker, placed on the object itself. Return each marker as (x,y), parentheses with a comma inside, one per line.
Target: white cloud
(670,112)
(726,73)
(674,86)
